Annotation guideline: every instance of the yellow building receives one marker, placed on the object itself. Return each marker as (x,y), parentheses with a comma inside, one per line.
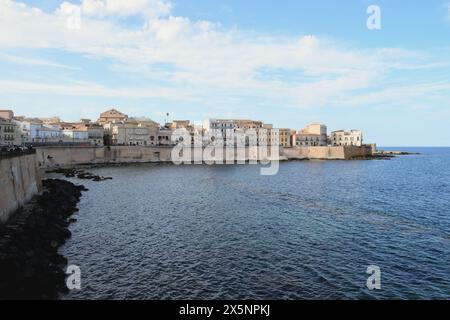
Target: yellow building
(287,137)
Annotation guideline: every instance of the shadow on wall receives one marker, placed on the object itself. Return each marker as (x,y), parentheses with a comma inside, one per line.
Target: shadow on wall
(19,182)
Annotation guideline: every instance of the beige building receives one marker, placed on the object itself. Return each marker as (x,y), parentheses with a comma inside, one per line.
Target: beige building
(234,124)
(95,132)
(267,135)
(9,135)
(346,138)
(143,121)
(313,135)
(112,115)
(7,114)
(129,134)
(230,126)
(287,137)
(52,120)
(163,137)
(96,135)
(180,124)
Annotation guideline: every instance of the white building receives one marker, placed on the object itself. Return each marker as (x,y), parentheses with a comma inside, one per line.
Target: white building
(346,138)
(48,133)
(164,137)
(264,133)
(31,131)
(75,136)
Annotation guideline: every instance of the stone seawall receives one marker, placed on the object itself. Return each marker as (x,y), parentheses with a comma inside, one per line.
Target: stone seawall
(50,157)
(19,182)
(327,153)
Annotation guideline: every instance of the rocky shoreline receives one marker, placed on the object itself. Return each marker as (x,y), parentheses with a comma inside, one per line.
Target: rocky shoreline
(30,264)
(80,174)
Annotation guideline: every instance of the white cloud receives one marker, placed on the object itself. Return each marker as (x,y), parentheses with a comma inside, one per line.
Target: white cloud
(89,89)
(34,62)
(149,8)
(202,56)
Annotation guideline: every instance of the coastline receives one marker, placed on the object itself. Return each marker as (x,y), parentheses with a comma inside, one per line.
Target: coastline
(30,240)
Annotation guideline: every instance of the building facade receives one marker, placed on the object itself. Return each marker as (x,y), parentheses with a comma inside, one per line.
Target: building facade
(9,135)
(129,134)
(287,137)
(346,138)
(96,134)
(313,135)
(34,131)
(7,114)
(112,115)
(75,135)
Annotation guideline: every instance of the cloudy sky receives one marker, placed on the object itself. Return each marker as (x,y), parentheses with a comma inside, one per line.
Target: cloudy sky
(284,62)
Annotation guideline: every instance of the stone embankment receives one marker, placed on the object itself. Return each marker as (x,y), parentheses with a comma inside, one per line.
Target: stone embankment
(30,264)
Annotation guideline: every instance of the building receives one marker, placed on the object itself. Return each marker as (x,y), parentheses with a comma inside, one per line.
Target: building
(287,137)
(112,115)
(7,114)
(267,135)
(129,134)
(180,124)
(313,135)
(95,131)
(75,134)
(143,121)
(234,124)
(346,138)
(9,135)
(33,131)
(222,127)
(96,134)
(48,134)
(52,120)
(164,137)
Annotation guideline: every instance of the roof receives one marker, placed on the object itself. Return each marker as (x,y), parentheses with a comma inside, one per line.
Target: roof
(113,113)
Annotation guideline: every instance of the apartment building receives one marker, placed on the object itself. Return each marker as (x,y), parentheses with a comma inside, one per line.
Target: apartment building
(313,135)
(9,135)
(346,138)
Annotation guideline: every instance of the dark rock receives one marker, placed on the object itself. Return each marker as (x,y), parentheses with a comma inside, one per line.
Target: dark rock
(30,264)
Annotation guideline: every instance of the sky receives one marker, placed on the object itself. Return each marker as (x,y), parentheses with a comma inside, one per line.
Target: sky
(285,62)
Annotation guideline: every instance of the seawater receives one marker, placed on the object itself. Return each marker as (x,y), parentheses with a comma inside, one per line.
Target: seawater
(226,232)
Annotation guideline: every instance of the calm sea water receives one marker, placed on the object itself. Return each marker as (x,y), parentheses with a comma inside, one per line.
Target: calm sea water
(225,232)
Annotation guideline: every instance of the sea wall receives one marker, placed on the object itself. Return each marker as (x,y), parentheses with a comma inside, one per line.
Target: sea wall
(327,153)
(19,182)
(50,157)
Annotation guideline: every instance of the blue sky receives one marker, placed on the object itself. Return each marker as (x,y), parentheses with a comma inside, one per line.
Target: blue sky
(284,62)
